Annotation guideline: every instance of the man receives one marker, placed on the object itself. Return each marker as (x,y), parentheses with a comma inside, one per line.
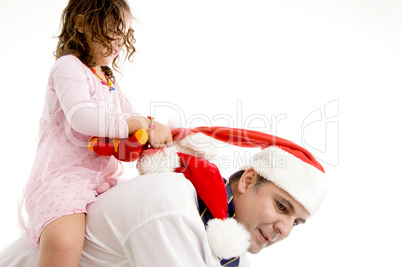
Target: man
(158,219)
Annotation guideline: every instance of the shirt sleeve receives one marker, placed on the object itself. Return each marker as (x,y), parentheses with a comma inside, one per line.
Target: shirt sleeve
(126,106)
(171,240)
(71,84)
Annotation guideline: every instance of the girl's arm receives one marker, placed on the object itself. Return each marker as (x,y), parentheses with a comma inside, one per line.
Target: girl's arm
(70,84)
(158,137)
(137,122)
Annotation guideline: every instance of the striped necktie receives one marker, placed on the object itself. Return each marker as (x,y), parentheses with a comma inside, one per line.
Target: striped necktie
(206,216)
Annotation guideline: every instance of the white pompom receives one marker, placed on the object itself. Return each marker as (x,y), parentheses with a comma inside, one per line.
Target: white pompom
(227,238)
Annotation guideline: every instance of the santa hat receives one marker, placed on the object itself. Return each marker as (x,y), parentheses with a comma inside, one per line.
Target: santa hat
(286,164)
(281,161)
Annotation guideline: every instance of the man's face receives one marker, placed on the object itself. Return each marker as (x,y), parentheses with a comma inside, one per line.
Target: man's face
(268,213)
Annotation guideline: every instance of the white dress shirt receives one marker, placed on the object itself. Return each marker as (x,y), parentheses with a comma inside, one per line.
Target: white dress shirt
(151,220)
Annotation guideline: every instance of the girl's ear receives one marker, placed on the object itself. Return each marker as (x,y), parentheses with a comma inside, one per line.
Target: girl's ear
(79,24)
(248,177)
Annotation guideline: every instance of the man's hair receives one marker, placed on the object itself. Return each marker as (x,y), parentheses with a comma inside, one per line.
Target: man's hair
(103,18)
(234,178)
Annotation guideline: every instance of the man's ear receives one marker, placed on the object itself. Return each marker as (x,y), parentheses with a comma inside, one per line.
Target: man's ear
(79,23)
(248,178)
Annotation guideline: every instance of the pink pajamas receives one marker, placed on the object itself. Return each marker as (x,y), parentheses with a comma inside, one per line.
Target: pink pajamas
(65,173)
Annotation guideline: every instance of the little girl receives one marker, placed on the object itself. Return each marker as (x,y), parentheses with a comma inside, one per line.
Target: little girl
(82,100)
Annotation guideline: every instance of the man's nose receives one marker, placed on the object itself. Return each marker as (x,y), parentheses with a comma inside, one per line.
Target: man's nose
(284,226)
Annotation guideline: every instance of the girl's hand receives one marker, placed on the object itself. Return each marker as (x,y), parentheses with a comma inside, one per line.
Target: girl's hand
(160,136)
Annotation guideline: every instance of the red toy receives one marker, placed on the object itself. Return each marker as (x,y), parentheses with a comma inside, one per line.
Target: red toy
(122,149)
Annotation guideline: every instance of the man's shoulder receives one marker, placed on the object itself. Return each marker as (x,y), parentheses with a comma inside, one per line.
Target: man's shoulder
(152,193)
(160,185)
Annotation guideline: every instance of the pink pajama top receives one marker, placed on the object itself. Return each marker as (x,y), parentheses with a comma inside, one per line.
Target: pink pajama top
(65,173)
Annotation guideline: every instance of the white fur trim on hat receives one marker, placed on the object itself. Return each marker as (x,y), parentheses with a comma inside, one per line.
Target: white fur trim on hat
(198,144)
(227,238)
(304,182)
(167,160)
(161,161)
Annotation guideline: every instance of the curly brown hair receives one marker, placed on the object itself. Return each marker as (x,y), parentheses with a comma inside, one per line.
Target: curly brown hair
(104,20)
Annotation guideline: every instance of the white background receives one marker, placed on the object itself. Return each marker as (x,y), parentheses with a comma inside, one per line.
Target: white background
(273,66)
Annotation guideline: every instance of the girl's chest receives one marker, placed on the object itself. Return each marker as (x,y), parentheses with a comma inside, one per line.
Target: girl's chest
(99,91)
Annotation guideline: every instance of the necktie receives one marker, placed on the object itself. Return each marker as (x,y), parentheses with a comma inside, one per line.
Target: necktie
(206,216)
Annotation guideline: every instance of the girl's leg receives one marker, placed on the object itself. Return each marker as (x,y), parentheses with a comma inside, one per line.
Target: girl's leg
(62,241)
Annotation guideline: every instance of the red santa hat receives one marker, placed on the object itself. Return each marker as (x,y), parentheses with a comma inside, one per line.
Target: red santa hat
(286,164)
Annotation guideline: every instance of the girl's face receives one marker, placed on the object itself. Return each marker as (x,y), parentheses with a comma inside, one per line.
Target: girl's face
(99,51)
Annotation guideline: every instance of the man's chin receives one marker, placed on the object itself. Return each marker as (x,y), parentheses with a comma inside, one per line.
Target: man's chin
(255,248)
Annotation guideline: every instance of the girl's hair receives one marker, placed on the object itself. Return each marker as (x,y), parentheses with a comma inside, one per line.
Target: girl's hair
(104,21)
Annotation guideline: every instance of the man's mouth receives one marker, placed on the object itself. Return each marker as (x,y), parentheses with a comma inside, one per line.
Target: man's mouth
(264,238)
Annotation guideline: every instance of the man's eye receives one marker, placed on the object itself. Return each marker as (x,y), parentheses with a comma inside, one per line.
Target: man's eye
(281,207)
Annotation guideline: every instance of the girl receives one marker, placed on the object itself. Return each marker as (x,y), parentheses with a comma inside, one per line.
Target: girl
(82,100)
